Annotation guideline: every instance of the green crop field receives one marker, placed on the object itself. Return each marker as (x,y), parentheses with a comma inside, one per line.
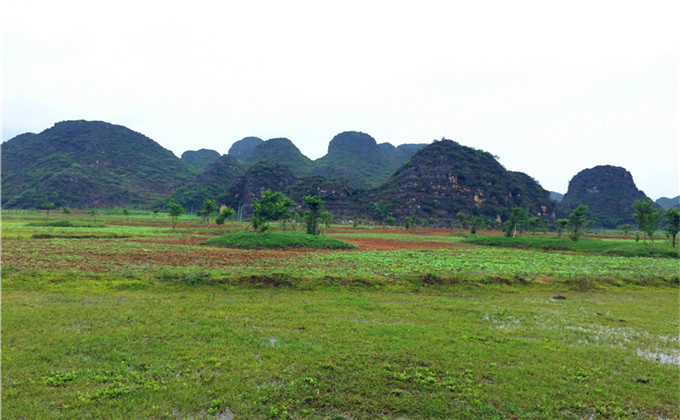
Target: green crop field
(125,317)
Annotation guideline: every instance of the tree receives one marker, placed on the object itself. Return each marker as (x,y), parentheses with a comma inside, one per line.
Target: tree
(647,217)
(409,222)
(517,219)
(534,224)
(174,211)
(673,222)
(269,208)
(126,213)
(561,225)
(475,222)
(462,219)
(93,213)
(326,218)
(381,210)
(225,213)
(578,222)
(315,204)
(625,229)
(156,211)
(66,211)
(209,207)
(48,207)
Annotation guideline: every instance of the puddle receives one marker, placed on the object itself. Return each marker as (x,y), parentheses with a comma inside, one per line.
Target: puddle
(673,359)
(504,322)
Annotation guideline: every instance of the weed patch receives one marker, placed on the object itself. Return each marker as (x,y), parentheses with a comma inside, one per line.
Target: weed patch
(277,240)
(614,247)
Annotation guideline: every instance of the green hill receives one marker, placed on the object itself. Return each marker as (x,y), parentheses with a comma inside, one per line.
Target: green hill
(243,149)
(84,164)
(445,178)
(200,159)
(357,157)
(667,203)
(283,151)
(608,191)
(210,184)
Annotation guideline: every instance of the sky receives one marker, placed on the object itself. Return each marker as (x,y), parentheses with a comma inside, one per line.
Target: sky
(552,88)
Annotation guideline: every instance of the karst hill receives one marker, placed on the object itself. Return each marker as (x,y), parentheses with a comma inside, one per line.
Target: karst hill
(608,191)
(85,164)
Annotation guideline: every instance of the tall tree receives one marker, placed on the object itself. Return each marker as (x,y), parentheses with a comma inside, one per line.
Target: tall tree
(462,219)
(382,211)
(209,207)
(48,207)
(647,217)
(673,222)
(225,214)
(517,219)
(578,222)
(174,211)
(269,208)
(561,225)
(315,204)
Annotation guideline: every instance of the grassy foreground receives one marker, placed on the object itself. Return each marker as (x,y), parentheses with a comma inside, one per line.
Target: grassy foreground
(155,325)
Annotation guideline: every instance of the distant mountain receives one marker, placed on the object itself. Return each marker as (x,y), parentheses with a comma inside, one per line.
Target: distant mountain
(85,164)
(243,149)
(250,186)
(555,196)
(354,156)
(667,203)
(445,178)
(283,151)
(400,154)
(200,159)
(210,184)
(608,191)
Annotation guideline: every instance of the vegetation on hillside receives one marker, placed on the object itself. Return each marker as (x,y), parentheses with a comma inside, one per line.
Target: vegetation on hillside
(282,151)
(608,191)
(200,159)
(85,164)
(446,178)
(210,184)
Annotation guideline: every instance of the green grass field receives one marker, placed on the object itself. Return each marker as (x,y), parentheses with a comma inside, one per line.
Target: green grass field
(154,324)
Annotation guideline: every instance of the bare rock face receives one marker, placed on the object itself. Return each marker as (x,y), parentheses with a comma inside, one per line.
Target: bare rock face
(445,178)
(608,191)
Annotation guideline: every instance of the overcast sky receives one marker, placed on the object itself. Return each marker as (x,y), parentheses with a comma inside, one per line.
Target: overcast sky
(550,87)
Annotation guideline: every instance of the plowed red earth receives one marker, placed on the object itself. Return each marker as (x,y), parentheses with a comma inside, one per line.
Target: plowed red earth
(94,255)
